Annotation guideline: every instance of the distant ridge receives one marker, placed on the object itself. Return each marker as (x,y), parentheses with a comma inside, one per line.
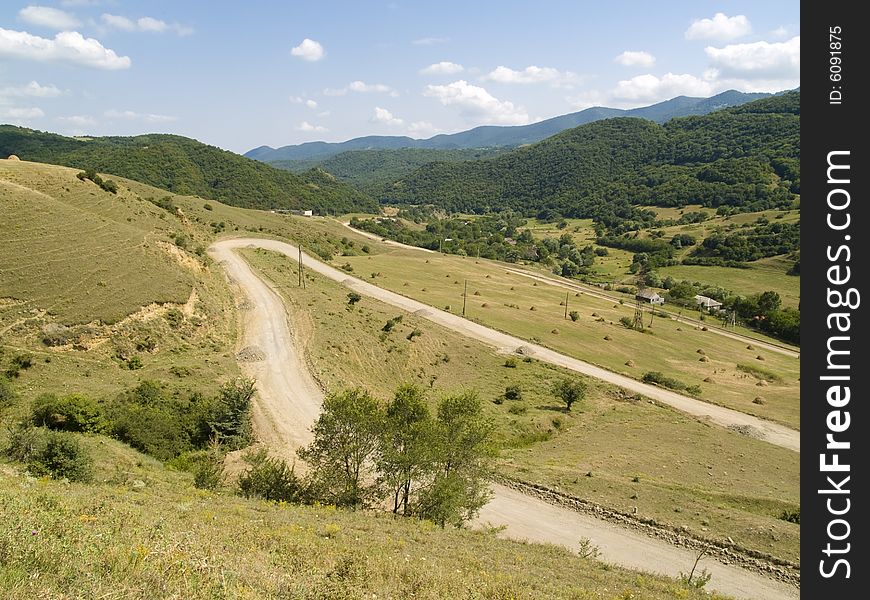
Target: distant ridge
(493,135)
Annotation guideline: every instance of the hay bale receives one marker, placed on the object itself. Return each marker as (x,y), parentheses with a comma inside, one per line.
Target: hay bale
(608,338)
(708,380)
(758,400)
(704,359)
(13,157)
(700,351)
(759,357)
(629,363)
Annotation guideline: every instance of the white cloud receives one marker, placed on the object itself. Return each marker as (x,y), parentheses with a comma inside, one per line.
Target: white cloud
(19,113)
(324,113)
(587,99)
(631,58)
(361,87)
(780,32)
(442,68)
(721,27)
(306,126)
(430,41)
(422,128)
(32,89)
(477,104)
(312,104)
(78,120)
(531,74)
(53,18)
(758,60)
(649,88)
(144,24)
(80,2)
(308,50)
(135,116)
(67,46)
(296,99)
(385,117)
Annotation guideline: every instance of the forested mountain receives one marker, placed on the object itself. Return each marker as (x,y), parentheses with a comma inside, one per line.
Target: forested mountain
(185,166)
(371,170)
(509,136)
(745,157)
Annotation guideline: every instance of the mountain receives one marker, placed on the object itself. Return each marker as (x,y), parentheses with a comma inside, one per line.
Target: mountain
(493,135)
(185,166)
(371,170)
(742,156)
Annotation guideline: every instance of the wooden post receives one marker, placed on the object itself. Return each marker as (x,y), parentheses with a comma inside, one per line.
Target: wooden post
(566,303)
(464,297)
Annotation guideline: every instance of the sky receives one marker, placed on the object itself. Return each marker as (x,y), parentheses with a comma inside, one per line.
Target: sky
(244,74)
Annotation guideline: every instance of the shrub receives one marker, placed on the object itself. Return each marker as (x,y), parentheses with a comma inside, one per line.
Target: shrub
(511,362)
(413,334)
(347,267)
(513,392)
(53,453)
(270,478)
(574,315)
(759,373)
(208,206)
(517,409)
(792,516)
(19,362)
(7,394)
(388,326)
(659,378)
(353,298)
(73,412)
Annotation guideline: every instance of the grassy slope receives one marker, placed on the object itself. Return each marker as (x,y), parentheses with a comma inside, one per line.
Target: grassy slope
(118,538)
(722,484)
(672,348)
(185,166)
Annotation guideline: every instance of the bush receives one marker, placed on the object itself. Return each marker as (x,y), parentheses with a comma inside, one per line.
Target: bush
(53,453)
(19,362)
(413,334)
(208,206)
(513,392)
(73,412)
(659,378)
(7,394)
(792,516)
(270,478)
(353,298)
(388,326)
(574,315)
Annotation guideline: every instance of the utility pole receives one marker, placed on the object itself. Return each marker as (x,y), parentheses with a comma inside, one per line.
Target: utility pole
(464,296)
(301,270)
(566,304)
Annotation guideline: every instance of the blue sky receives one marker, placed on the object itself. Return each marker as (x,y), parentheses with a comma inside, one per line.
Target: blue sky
(243,74)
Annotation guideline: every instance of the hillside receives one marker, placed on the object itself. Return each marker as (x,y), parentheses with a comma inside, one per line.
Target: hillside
(371,170)
(745,157)
(184,166)
(142,530)
(507,136)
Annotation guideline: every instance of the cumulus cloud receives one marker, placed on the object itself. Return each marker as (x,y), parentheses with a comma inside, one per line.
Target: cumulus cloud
(67,46)
(721,28)
(361,87)
(631,58)
(649,88)
(442,68)
(477,104)
(531,74)
(430,41)
(312,104)
(757,60)
(78,120)
(32,90)
(44,16)
(143,24)
(422,128)
(135,116)
(308,50)
(385,117)
(306,126)
(21,113)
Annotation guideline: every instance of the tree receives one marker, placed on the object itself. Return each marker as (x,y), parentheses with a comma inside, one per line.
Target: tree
(569,391)
(353,298)
(346,443)
(461,447)
(405,452)
(231,416)
(769,302)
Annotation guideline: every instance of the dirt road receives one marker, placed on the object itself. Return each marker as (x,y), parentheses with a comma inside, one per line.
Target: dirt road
(726,417)
(289,401)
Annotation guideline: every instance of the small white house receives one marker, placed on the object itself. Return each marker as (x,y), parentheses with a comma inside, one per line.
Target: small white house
(706,303)
(649,296)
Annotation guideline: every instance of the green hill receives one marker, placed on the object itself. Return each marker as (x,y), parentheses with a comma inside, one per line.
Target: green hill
(185,166)
(746,157)
(371,170)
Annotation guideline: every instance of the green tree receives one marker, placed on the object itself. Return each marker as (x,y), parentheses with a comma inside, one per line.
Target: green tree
(231,414)
(769,302)
(462,450)
(353,298)
(569,391)
(346,442)
(405,456)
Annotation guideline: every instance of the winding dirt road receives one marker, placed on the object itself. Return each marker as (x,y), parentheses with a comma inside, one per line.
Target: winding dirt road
(773,433)
(289,401)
